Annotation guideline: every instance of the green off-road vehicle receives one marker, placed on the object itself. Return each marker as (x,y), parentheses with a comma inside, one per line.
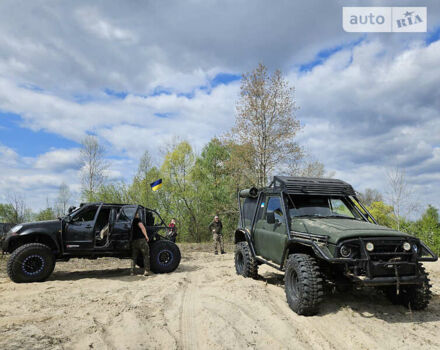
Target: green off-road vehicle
(322,237)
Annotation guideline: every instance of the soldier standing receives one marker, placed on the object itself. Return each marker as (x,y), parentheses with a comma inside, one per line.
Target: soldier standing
(140,245)
(216,228)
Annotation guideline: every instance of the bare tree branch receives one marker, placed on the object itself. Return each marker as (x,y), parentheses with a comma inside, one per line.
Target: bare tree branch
(266,120)
(94,166)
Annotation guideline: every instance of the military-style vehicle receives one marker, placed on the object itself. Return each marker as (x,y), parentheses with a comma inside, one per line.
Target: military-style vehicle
(321,236)
(91,231)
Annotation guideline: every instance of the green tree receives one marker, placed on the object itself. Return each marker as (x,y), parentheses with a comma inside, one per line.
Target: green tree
(181,199)
(369,196)
(15,211)
(216,187)
(45,214)
(241,164)
(140,191)
(383,213)
(428,228)
(7,213)
(110,193)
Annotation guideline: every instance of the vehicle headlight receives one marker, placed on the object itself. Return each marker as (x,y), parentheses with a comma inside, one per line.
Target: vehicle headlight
(16,228)
(345,251)
(407,246)
(369,246)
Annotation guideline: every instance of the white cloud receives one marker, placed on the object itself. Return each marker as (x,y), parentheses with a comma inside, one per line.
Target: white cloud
(37,179)
(90,19)
(7,156)
(59,159)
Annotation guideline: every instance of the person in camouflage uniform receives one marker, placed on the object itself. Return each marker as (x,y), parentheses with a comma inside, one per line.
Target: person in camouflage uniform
(140,245)
(216,228)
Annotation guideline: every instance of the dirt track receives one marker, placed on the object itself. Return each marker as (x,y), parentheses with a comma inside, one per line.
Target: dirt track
(203,305)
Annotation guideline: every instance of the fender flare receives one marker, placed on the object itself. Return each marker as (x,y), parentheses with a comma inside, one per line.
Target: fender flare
(241,233)
(28,234)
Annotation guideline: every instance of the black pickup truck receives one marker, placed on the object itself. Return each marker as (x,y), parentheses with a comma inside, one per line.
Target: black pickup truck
(91,231)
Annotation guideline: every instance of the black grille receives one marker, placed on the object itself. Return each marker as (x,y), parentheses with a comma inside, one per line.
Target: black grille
(385,249)
(389,250)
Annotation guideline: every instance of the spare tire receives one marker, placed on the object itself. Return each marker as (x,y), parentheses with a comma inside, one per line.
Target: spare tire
(164,256)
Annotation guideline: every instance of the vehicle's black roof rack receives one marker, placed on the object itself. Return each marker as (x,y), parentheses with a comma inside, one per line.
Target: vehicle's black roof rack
(313,186)
(105,203)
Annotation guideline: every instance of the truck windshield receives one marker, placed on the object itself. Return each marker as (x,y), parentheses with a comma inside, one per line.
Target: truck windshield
(321,206)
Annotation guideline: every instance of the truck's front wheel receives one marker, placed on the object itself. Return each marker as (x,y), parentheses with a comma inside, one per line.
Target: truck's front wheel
(303,284)
(414,297)
(417,297)
(245,264)
(33,262)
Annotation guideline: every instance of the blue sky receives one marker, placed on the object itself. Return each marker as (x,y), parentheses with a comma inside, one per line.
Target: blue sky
(368,102)
(28,142)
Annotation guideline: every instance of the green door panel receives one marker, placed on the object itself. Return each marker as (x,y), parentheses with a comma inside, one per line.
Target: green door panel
(273,244)
(270,238)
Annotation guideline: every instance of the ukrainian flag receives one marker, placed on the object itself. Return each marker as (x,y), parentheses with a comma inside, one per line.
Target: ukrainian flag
(156,185)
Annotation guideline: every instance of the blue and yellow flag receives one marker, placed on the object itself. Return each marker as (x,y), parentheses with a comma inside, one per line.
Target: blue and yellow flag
(156,185)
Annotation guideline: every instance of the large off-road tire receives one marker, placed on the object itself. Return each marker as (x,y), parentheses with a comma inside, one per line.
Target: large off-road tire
(414,297)
(245,263)
(164,256)
(33,262)
(303,284)
(417,297)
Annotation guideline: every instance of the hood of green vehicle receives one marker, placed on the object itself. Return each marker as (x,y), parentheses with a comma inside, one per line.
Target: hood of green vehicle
(338,229)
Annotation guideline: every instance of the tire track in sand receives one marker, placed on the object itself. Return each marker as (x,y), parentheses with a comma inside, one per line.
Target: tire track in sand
(188,329)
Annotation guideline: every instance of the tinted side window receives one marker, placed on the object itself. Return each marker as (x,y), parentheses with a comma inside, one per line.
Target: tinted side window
(127,214)
(86,215)
(274,205)
(339,208)
(249,207)
(261,217)
(152,218)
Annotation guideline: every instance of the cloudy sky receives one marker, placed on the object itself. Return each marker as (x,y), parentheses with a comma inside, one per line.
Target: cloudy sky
(140,73)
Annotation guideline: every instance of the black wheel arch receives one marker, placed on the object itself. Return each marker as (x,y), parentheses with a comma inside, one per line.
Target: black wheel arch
(299,248)
(240,236)
(243,235)
(33,237)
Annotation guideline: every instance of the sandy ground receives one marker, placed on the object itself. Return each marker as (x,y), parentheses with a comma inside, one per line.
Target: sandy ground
(202,305)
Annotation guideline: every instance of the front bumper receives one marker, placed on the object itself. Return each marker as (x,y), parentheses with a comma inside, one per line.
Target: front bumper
(373,273)
(377,269)
(386,281)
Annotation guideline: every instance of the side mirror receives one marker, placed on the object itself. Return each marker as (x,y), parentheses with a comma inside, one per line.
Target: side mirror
(270,217)
(72,208)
